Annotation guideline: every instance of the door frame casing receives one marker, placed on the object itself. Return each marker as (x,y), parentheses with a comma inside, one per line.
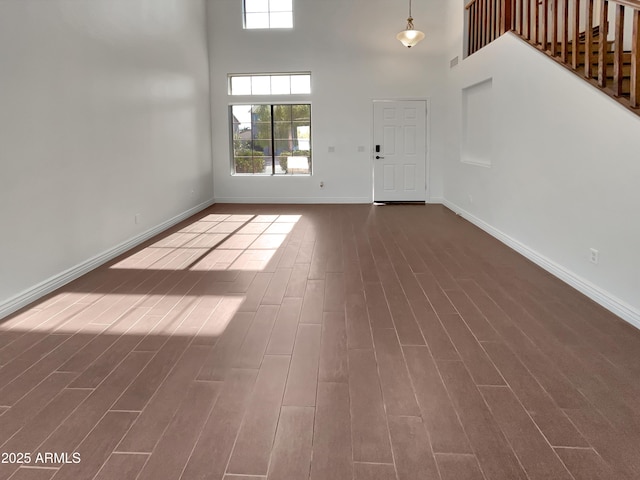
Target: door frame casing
(427,138)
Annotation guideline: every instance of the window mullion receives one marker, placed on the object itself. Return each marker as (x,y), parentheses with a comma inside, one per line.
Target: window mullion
(273,144)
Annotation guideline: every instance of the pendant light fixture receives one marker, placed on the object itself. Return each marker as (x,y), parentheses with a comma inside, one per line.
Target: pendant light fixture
(410,36)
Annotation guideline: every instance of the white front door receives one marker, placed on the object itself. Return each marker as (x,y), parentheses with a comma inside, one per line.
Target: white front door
(399,153)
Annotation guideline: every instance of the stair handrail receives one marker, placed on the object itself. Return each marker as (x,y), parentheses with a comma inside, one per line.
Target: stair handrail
(539,23)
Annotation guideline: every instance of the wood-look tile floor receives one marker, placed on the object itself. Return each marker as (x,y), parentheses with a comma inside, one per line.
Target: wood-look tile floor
(325,343)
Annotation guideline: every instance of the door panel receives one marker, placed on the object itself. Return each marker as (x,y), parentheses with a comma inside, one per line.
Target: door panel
(400,130)
(389,140)
(389,178)
(409,178)
(410,140)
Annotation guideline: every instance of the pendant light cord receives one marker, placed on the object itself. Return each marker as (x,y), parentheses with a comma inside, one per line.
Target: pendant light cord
(410,19)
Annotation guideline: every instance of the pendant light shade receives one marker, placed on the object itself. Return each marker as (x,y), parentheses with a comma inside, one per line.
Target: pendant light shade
(410,36)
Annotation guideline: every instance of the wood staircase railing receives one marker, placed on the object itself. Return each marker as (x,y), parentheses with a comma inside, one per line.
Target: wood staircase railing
(599,40)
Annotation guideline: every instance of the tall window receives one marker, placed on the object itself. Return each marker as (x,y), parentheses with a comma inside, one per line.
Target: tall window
(268,14)
(271,139)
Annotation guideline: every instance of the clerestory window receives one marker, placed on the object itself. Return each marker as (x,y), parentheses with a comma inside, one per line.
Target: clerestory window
(268,14)
(270,84)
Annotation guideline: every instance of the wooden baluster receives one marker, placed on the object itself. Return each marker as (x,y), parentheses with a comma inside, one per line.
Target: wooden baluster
(576,35)
(493,17)
(536,22)
(534,4)
(604,44)
(507,17)
(488,27)
(565,31)
(500,20)
(497,12)
(471,32)
(472,22)
(529,18)
(480,4)
(554,27)
(635,61)
(520,7)
(485,23)
(469,29)
(492,14)
(497,16)
(545,23)
(618,48)
(474,39)
(478,25)
(475,26)
(588,38)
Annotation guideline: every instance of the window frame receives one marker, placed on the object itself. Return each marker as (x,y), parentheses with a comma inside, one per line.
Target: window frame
(273,139)
(231,76)
(268,12)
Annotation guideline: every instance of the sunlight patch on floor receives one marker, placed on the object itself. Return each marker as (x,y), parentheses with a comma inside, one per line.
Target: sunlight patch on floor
(177,285)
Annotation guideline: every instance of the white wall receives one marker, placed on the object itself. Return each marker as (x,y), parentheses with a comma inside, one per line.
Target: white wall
(351,50)
(564,174)
(103,114)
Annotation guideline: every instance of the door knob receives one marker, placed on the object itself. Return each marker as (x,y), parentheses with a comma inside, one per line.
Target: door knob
(378,157)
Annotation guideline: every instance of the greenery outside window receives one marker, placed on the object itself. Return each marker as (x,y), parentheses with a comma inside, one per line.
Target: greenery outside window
(271,139)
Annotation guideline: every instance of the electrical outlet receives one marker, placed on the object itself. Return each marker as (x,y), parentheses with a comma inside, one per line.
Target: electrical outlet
(593,258)
(470,198)
(136,218)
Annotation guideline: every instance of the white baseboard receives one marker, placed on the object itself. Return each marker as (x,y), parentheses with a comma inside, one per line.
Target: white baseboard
(436,200)
(293,200)
(38,291)
(597,294)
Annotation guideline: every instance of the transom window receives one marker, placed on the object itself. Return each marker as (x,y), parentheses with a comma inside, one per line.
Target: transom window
(268,14)
(271,139)
(273,84)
